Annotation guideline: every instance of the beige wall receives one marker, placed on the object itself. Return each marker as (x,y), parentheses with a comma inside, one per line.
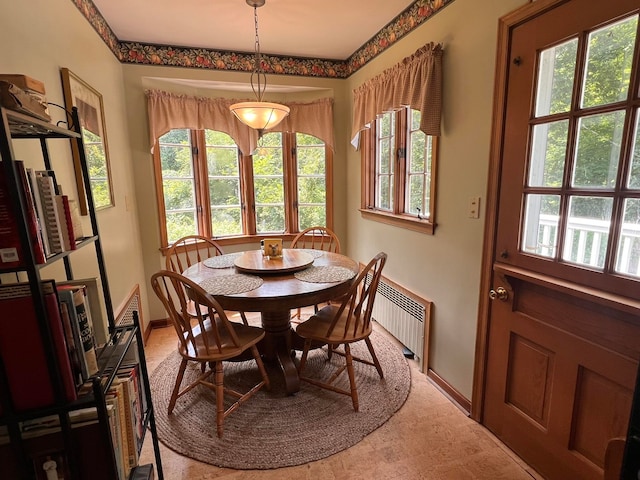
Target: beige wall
(445,267)
(38,37)
(139,78)
(41,36)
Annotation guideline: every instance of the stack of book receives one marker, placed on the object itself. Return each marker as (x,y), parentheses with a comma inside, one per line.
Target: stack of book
(24,94)
(70,322)
(53,218)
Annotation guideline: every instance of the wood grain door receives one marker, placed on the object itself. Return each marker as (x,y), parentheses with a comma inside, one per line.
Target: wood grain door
(563,338)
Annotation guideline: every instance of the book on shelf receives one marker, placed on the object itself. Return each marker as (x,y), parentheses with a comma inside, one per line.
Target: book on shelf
(132,374)
(114,398)
(32,219)
(43,442)
(74,297)
(128,421)
(11,249)
(73,350)
(97,312)
(23,101)
(66,228)
(22,349)
(33,185)
(76,221)
(52,221)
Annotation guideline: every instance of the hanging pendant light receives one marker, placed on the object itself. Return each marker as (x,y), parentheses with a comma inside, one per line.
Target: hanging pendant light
(259,115)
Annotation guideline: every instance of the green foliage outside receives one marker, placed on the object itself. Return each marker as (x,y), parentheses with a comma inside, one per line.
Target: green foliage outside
(610,56)
(178,186)
(98,168)
(599,139)
(312,188)
(224,183)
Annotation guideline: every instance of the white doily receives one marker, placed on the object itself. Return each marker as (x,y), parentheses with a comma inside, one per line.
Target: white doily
(325,274)
(230,284)
(221,261)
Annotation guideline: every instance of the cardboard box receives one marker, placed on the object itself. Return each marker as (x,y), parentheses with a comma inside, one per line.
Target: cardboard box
(24,82)
(14,98)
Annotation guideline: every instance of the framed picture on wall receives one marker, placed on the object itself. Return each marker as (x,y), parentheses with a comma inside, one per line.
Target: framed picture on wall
(88,101)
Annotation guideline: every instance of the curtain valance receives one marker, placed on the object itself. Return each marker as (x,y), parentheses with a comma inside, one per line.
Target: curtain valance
(168,111)
(415,81)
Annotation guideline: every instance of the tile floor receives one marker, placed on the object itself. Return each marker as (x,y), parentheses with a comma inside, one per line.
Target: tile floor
(429,438)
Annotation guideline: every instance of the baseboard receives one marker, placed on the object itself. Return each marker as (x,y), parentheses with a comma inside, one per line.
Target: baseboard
(159,323)
(451,393)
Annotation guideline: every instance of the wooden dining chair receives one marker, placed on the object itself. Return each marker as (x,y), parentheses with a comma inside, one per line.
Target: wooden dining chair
(345,324)
(210,340)
(315,238)
(188,251)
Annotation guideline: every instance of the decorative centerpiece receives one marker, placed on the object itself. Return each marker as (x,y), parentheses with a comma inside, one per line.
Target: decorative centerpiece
(272,247)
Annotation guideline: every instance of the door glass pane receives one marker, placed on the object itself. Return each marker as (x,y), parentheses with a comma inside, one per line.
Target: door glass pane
(598,150)
(628,255)
(540,236)
(268,179)
(556,70)
(587,230)
(634,174)
(178,185)
(224,184)
(548,153)
(609,60)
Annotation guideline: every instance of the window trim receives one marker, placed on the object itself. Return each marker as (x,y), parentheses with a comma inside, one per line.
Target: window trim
(397,217)
(247,198)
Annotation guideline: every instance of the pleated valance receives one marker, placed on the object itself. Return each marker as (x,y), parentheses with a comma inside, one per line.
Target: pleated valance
(416,81)
(168,111)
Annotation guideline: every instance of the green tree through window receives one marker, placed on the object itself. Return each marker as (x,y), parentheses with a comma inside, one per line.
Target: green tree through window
(209,188)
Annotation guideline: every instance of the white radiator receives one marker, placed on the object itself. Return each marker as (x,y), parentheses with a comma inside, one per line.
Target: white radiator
(405,316)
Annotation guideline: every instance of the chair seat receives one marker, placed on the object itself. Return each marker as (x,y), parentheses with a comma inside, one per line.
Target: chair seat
(316,327)
(247,336)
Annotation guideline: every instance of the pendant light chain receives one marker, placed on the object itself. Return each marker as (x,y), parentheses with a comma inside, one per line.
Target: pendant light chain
(257,68)
(257,114)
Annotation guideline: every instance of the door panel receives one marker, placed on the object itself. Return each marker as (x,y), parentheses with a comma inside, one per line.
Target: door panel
(563,344)
(555,393)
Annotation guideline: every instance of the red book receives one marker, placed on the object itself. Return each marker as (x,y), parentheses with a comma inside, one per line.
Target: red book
(69,222)
(22,348)
(34,225)
(11,250)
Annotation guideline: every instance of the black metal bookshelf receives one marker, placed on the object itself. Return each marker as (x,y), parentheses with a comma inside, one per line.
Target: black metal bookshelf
(122,338)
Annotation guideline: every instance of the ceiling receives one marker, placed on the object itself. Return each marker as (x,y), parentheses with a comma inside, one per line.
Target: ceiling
(321,29)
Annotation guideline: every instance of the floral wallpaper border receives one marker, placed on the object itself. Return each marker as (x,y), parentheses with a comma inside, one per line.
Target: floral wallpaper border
(148,54)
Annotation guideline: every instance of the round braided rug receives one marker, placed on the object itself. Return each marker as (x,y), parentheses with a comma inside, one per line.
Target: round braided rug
(273,430)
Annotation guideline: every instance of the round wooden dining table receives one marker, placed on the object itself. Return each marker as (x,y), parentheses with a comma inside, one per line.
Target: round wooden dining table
(250,282)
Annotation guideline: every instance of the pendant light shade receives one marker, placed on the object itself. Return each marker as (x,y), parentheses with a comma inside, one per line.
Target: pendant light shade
(258,114)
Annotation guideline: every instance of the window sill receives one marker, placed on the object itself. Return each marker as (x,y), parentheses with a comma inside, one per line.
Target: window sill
(400,221)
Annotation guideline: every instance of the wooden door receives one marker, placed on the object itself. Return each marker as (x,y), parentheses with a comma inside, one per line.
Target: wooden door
(563,269)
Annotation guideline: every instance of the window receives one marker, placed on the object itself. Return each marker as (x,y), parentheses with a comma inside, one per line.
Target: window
(399,171)
(207,187)
(582,191)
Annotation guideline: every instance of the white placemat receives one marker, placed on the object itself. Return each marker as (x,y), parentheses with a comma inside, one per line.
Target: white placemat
(325,274)
(221,261)
(312,252)
(230,284)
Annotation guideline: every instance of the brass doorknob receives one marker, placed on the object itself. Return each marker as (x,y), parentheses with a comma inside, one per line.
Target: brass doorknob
(499,293)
